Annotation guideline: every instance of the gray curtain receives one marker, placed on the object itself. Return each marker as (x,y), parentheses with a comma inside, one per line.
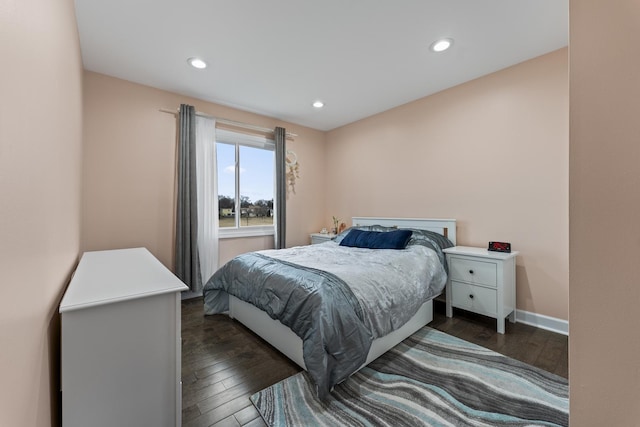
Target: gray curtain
(187,260)
(280,201)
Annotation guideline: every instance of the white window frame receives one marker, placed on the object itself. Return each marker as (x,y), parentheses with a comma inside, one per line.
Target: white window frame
(241,139)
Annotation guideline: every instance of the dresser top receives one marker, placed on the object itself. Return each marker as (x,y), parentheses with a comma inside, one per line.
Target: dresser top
(479,252)
(105,277)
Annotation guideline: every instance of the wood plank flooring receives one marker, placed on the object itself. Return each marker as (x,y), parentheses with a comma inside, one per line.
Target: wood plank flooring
(223,363)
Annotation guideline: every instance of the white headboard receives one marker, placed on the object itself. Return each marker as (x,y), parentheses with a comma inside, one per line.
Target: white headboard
(446,227)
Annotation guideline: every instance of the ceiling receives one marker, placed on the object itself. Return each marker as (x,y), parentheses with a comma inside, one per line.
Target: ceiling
(360,57)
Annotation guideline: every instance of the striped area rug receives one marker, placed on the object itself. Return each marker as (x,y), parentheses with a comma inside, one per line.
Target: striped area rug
(430,379)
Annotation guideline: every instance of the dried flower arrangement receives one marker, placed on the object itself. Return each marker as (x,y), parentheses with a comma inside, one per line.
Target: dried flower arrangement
(336,225)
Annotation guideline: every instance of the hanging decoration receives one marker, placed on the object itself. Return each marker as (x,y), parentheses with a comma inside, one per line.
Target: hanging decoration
(293,172)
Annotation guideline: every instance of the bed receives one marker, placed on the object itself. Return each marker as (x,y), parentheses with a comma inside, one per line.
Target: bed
(336,338)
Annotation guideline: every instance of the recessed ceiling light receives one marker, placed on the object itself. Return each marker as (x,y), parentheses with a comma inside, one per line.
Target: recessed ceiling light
(318,104)
(441,45)
(197,63)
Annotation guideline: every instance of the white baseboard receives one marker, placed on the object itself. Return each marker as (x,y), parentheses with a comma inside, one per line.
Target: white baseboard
(543,322)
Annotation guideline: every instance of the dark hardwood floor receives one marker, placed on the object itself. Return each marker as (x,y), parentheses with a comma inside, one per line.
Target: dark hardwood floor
(223,363)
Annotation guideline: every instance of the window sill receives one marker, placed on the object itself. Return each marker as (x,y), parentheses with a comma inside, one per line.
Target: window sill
(233,233)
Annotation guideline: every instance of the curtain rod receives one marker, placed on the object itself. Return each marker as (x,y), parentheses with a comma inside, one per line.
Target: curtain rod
(230,122)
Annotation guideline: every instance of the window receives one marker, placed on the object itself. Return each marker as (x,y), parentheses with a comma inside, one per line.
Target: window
(246,182)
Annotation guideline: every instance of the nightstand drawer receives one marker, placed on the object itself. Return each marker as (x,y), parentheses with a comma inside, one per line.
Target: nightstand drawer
(480,272)
(474,298)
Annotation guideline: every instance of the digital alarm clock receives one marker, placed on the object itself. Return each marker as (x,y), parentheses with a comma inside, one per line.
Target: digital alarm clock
(500,247)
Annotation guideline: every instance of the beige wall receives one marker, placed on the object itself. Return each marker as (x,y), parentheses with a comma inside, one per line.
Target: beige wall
(492,153)
(40,155)
(129,169)
(604,349)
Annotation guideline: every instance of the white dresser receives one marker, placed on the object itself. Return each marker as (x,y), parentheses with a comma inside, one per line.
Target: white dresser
(482,281)
(121,349)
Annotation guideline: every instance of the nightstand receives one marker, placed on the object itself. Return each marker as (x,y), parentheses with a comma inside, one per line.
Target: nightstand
(483,282)
(321,237)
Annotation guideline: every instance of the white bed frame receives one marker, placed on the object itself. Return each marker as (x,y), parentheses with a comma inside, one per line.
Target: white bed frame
(288,343)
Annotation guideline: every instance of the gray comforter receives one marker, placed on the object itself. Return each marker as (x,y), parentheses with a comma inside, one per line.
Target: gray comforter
(336,299)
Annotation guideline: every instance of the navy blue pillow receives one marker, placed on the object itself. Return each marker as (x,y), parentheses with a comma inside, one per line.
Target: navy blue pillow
(397,239)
